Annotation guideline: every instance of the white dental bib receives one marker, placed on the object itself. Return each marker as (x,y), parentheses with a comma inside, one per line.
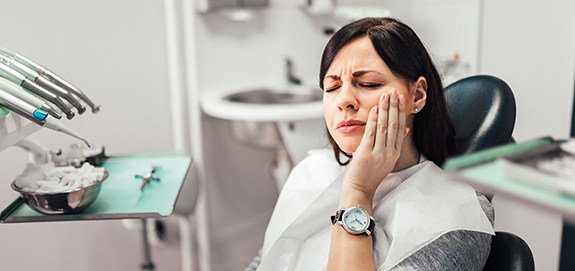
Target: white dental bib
(412,208)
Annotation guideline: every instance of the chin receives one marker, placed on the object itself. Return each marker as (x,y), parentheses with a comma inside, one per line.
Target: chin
(347,143)
(348,147)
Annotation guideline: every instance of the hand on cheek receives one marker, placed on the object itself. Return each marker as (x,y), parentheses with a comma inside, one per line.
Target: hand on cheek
(380,146)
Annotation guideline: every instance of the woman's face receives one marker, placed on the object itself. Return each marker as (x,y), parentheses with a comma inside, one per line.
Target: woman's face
(353,84)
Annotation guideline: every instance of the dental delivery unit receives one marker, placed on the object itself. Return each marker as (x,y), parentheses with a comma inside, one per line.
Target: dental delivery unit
(38,94)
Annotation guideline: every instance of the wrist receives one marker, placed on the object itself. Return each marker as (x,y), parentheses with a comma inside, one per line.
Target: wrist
(353,197)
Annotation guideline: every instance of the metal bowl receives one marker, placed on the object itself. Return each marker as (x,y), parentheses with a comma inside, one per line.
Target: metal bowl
(69,202)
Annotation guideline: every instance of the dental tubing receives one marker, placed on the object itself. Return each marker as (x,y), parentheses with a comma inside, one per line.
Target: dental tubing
(32,113)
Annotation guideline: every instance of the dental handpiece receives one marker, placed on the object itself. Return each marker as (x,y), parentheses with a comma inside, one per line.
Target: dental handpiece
(45,83)
(53,77)
(9,82)
(22,94)
(21,75)
(42,81)
(36,115)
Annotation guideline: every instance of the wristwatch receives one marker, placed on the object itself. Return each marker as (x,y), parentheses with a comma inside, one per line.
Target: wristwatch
(355,220)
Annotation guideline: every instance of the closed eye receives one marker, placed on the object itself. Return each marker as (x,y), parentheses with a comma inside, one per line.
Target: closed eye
(331,89)
(370,85)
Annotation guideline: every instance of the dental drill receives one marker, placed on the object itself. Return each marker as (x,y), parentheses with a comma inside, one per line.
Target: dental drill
(7,83)
(17,77)
(53,77)
(10,61)
(35,114)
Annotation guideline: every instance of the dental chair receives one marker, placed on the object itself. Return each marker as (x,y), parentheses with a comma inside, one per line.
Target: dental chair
(482,109)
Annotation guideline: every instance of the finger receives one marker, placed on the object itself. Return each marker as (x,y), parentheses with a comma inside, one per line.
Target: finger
(368,137)
(401,132)
(393,120)
(381,133)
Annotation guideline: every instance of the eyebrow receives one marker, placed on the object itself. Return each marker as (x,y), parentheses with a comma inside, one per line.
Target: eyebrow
(354,74)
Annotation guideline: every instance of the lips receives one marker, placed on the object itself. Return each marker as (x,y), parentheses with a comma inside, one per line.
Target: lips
(348,126)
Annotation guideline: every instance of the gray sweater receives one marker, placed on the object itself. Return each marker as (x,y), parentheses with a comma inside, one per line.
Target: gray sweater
(455,250)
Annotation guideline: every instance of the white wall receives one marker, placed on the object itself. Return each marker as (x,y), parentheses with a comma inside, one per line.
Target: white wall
(531,45)
(115,52)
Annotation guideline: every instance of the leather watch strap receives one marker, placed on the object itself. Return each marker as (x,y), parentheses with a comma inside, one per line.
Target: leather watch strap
(338,217)
(371,227)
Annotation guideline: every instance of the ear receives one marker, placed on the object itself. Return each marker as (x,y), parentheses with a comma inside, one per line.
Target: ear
(420,96)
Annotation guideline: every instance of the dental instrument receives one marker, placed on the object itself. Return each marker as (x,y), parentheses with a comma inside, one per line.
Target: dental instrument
(36,115)
(53,77)
(9,86)
(36,77)
(58,90)
(147,177)
(13,74)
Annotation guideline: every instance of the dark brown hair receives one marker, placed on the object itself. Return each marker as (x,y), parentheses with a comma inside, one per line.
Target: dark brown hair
(406,56)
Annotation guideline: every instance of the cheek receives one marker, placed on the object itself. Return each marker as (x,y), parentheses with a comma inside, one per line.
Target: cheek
(328,110)
(370,100)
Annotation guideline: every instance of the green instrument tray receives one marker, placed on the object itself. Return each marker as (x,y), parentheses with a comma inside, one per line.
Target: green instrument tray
(120,196)
(482,172)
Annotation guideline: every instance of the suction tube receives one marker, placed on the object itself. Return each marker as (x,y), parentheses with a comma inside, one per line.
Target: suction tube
(54,78)
(22,74)
(10,81)
(55,125)
(36,115)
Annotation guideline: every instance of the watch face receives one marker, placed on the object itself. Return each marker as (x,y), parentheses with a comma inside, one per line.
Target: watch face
(355,220)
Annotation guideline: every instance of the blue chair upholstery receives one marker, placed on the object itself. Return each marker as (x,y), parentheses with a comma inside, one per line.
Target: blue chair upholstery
(482,109)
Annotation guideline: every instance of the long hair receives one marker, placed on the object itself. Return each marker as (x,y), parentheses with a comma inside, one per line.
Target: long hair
(405,55)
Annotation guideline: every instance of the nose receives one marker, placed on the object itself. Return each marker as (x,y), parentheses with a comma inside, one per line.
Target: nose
(347,99)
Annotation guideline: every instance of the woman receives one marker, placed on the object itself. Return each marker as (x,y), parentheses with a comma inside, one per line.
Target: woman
(391,206)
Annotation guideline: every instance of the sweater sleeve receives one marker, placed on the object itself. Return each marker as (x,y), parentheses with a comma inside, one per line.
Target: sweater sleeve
(455,250)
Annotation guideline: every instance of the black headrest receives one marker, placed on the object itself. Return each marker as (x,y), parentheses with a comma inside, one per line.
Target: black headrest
(509,253)
(482,109)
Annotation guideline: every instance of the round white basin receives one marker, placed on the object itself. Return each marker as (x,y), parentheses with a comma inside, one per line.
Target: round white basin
(270,96)
(265,104)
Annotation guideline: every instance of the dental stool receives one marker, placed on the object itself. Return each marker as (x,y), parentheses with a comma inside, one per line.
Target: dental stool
(482,109)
